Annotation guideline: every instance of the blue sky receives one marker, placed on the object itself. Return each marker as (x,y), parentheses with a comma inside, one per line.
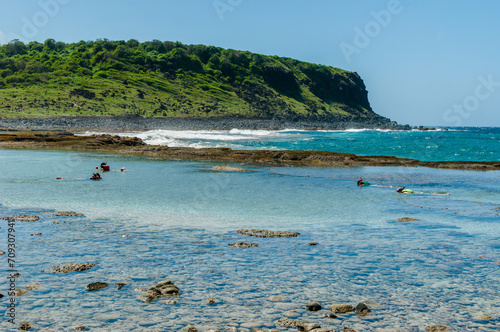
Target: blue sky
(424,62)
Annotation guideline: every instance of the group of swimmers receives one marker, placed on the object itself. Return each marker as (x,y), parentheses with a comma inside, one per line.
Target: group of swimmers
(400,190)
(104,168)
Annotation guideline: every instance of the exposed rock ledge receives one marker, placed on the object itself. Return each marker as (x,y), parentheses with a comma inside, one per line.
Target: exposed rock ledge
(54,139)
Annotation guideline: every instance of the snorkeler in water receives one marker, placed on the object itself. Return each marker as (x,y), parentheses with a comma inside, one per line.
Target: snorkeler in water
(402,190)
(362,182)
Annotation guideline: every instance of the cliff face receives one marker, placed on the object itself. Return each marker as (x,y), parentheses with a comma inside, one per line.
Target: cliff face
(165,79)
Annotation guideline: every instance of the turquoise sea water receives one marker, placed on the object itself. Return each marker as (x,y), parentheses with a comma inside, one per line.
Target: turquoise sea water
(478,144)
(442,269)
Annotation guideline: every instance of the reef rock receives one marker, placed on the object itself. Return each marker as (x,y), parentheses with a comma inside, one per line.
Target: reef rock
(72,267)
(243,245)
(96,286)
(338,308)
(406,219)
(436,328)
(266,233)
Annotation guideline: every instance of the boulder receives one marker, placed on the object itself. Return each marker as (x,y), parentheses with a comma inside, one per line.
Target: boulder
(313,306)
(362,309)
(162,288)
(120,285)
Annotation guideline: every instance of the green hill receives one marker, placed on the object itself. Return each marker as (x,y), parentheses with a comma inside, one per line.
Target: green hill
(167,79)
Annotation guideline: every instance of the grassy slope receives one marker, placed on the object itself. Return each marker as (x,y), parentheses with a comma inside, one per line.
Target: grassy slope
(155,93)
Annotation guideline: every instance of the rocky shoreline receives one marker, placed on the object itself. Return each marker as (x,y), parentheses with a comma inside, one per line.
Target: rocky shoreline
(124,123)
(133,146)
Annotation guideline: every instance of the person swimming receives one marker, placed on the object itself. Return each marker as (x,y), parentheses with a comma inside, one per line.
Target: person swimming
(402,190)
(104,167)
(362,182)
(96,176)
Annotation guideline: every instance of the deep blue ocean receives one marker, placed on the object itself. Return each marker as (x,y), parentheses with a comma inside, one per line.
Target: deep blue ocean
(170,219)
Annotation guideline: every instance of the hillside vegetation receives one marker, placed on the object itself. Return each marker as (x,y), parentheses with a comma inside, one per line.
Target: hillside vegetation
(170,79)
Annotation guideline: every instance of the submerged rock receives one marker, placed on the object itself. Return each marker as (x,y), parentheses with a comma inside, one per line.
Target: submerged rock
(96,286)
(72,267)
(22,218)
(349,329)
(266,233)
(80,328)
(276,298)
(406,219)
(66,214)
(231,169)
(338,308)
(329,315)
(37,233)
(313,243)
(288,322)
(243,245)
(211,301)
(437,328)
(21,291)
(33,286)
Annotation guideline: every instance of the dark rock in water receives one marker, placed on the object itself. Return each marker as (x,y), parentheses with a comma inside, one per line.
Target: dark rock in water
(37,233)
(243,245)
(437,328)
(96,286)
(22,218)
(362,309)
(349,329)
(120,285)
(211,301)
(166,287)
(406,219)
(2,252)
(80,328)
(71,267)
(313,243)
(24,326)
(338,308)
(162,288)
(66,214)
(313,306)
(1,295)
(15,275)
(190,328)
(307,326)
(329,315)
(266,233)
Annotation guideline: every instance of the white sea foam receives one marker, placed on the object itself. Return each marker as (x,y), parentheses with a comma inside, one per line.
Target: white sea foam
(201,138)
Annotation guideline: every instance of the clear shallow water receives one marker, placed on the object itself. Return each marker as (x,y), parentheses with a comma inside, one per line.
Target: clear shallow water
(478,144)
(182,215)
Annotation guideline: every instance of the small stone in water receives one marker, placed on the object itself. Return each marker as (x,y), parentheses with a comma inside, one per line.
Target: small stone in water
(25,326)
(210,300)
(190,328)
